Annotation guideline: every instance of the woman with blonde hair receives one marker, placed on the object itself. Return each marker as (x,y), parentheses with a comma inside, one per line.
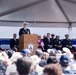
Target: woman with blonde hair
(45,55)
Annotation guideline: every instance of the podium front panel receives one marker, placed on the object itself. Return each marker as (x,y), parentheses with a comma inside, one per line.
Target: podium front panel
(30,41)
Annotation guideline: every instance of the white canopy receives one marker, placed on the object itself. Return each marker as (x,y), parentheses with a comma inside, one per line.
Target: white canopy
(39,13)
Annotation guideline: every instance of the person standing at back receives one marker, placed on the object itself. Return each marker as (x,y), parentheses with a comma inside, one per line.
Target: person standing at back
(24,30)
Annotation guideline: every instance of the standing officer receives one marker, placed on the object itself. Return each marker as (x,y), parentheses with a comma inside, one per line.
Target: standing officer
(67,43)
(24,30)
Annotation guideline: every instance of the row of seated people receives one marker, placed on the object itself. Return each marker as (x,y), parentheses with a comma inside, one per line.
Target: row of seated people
(54,42)
(42,63)
(47,42)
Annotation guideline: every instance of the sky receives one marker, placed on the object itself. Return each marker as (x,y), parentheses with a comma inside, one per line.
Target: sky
(7,32)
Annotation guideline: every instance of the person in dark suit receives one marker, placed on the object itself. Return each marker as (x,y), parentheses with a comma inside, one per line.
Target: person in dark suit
(67,43)
(53,39)
(48,43)
(24,30)
(14,43)
(58,44)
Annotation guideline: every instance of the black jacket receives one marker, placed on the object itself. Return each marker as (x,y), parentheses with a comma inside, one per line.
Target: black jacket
(47,43)
(23,31)
(14,43)
(66,43)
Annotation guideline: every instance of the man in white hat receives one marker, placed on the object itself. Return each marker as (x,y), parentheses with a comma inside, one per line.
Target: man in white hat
(24,30)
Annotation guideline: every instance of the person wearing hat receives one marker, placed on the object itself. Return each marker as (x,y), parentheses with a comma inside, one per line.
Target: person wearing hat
(64,61)
(24,30)
(57,43)
(24,52)
(53,40)
(67,43)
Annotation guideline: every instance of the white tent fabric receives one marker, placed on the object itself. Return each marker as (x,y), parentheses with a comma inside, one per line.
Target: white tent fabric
(70,9)
(46,11)
(37,11)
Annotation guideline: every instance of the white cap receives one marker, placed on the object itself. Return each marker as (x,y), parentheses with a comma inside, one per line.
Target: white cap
(15,56)
(50,50)
(66,49)
(69,54)
(35,59)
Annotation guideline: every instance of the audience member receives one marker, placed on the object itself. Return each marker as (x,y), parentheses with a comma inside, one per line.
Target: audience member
(4,62)
(13,60)
(51,52)
(68,53)
(73,64)
(36,60)
(3,68)
(43,63)
(9,53)
(39,53)
(52,60)
(45,55)
(52,69)
(58,54)
(24,52)
(23,66)
(64,61)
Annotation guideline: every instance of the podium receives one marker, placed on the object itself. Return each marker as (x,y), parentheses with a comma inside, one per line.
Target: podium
(29,41)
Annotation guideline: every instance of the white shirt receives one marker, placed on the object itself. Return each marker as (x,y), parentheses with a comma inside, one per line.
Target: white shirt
(66,68)
(11,68)
(73,65)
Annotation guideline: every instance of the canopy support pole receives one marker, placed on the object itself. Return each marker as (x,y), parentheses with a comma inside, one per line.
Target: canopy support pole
(67,18)
(70,31)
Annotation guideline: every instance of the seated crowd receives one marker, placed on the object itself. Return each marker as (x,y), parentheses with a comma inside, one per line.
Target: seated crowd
(42,63)
(49,41)
(53,57)
(54,42)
